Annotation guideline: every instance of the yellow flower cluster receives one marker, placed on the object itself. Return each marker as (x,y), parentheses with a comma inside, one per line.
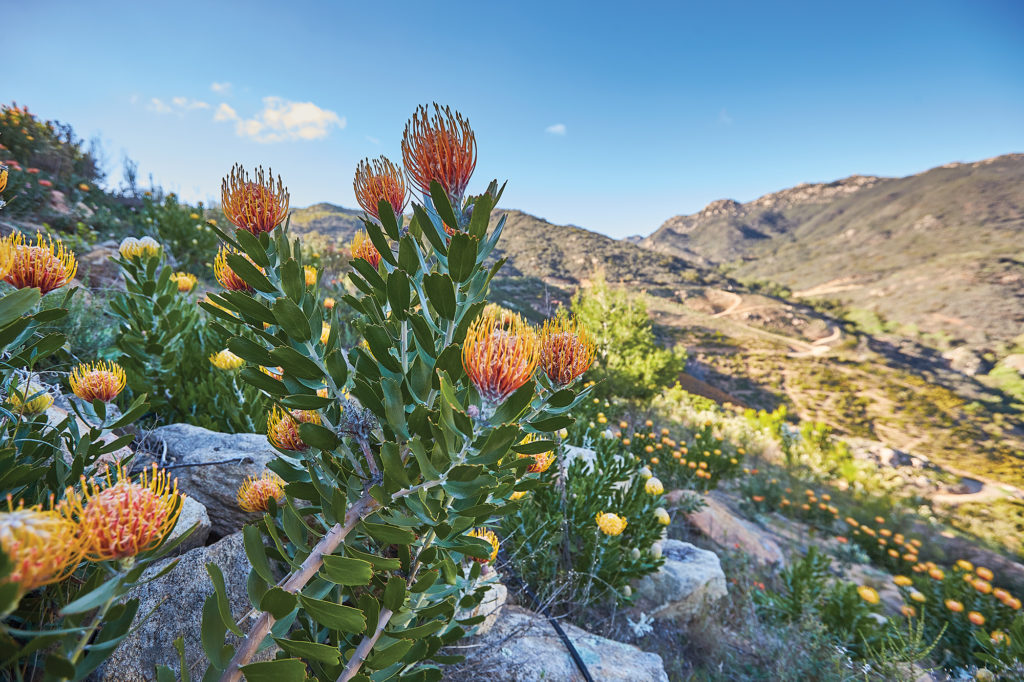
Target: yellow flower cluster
(611,524)
(255,494)
(488,536)
(142,249)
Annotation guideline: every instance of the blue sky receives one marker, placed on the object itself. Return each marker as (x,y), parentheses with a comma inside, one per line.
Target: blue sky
(611,116)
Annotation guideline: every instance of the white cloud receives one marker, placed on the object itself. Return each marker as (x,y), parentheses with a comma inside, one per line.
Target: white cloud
(177,105)
(281,120)
(221,88)
(156,104)
(186,104)
(556,129)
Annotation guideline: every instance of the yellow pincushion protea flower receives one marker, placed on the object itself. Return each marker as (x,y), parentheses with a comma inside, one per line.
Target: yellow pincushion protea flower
(868,594)
(97,381)
(500,354)
(255,205)
(566,350)
(903,581)
(489,536)
(662,517)
(43,546)
(976,618)
(45,265)
(329,303)
(362,247)
(325,332)
(541,461)
(309,272)
(226,360)
(517,495)
(954,606)
(186,281)
(254,494)
(653,486)
(283,427)
(3,177)
(611,524)
(30,398)
(124,518)
(226,277)
(143,249)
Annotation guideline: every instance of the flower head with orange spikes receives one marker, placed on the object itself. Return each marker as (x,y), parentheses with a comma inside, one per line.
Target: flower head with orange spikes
(255,205)
(283,427)
(186,281)
(363,248)
(3,177)
(566,349)
(124,518)
(254,494)
(45,265)
(541,460)
(500,354)
(97,381)
(43,546)
(225,275)
(378,179)
(487,536)
(439,147)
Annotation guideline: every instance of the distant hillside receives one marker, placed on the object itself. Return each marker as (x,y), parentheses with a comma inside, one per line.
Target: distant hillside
(328,220)
(937,252)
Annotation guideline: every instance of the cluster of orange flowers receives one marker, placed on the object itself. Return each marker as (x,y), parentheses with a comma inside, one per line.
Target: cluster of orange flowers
(895,544)
(45,265)
(108,520)
(657,442)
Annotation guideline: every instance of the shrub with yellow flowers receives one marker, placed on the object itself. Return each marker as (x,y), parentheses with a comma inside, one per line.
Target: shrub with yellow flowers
(185,230)
(398,455)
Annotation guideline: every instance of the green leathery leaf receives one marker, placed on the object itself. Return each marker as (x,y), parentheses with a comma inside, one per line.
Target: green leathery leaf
(318,436)
(249,273)
(443,205)
(17,303)
(249,351)
(257,553)
(389,655)
(279,670)
(278,602)
(481,215)
(252,247)
(441,292)
(387,534)
(398,293)
(223,606)
(334,616)
(462,252)
(263,381)
(394,593)
(388,218)
(436,239)
(310,650)
(293,279)
(295,363)
(346,570)
(291,319)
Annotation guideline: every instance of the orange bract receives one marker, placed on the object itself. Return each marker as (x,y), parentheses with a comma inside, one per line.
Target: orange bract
(363,248)
(97,381)
(500,354)
(255,494)
(122,519)
(566,350)
(254,205)
(45,265)
(440,147)
(225,275)
(283,427)
(378,179)
(43,546)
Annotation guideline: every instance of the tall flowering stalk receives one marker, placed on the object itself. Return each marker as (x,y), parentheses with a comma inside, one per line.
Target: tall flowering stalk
(393,451)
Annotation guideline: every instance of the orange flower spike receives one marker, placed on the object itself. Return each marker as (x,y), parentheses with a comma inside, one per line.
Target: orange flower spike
(283,427)
(500,354)
(363,248)
(439,147)
(97,381)
(44,547)
(225,275)
(45,265)
(122,519)
(255,205)
(255,494)
(566,350)
(378,179)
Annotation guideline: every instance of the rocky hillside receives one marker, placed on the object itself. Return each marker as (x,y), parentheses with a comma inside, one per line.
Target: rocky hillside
(938,252)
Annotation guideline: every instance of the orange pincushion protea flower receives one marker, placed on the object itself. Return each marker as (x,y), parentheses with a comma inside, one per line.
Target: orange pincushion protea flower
(566,350)
(43,546)
(378,179)
(225,275)
(256,205)
(120,520)
(488,536)
(500,354)
(97,381)
(541,461)
(3,177)
(363,248)
(45,265)
(255,494)
(283,427)
(440,147)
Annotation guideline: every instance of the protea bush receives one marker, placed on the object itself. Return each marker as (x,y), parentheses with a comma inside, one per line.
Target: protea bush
(397,456)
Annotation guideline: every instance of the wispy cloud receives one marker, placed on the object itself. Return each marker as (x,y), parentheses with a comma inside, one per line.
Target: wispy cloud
(556,129)
(724,118)
(220,88)
(177,105)
(282,120)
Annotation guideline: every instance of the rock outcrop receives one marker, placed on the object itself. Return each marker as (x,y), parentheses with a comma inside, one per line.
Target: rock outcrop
(717,522)
(684,586)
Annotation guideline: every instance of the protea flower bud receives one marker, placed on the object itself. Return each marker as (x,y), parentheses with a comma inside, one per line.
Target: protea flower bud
(378,179)
(29,398)
(363,248)
(43,546)
(653,486)
(489,536)
(283,427)
(45,265)
(186,281)
(143,248)
(611,524)
(566,350)
(255,494)
(309,272)
(256,206)
(225,275)
(226,360)
(97,381)
(500,354)
(439,147)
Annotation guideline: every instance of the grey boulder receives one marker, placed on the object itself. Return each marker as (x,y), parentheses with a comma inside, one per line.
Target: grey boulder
(684,586)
